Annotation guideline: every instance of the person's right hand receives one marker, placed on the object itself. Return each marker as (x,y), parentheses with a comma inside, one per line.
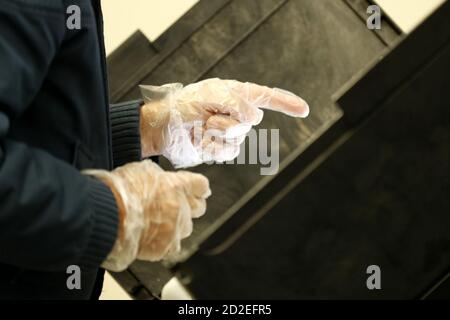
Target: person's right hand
(208,120)
(156,209)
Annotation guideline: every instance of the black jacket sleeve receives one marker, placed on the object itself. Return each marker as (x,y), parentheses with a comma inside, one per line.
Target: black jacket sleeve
(51,216)
(126,139)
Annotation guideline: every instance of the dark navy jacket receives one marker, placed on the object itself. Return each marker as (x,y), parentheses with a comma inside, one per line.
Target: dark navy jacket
(55,121)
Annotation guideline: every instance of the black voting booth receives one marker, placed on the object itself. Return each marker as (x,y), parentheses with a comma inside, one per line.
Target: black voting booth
(363,181)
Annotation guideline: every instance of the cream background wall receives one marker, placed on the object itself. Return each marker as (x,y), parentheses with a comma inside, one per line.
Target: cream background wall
(407,14)
(153,17)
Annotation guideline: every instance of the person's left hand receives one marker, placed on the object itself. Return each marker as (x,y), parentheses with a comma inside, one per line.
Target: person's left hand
(208,120)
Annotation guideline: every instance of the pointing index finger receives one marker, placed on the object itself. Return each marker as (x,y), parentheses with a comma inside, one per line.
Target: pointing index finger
(274,99)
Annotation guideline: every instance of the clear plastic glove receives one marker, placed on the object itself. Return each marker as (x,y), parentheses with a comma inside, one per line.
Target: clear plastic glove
(208,120)
(156,209)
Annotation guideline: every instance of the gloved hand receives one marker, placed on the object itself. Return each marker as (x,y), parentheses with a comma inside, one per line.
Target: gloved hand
(208,120)
(156,209)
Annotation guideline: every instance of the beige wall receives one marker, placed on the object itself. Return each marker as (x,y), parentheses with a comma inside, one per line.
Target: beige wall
(407,14)
(152,17)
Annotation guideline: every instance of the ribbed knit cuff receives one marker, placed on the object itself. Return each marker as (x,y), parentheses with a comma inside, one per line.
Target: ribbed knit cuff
(126,138)
(105,225)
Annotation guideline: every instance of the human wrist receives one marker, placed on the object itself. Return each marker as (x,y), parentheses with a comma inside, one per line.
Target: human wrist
(154,118)
(130,227)
(121,212)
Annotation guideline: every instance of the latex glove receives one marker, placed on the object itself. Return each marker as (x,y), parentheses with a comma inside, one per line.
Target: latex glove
(208,120)
(156,209)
